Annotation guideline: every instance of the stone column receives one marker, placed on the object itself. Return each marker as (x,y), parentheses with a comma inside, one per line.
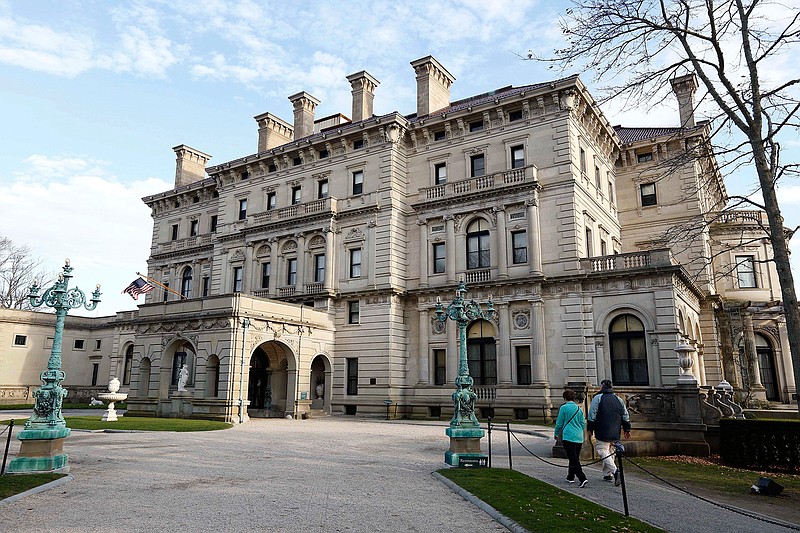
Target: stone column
(301,262)
(504,344)
(423,253)
(273,266)
(422,360)
(786,359)
(502,242)
(750,351)
(538,343)
(534,236)
(368,256)
(450,250)
(330,260)
(248,264)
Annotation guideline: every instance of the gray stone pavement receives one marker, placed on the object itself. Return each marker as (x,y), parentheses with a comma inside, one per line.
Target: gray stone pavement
(328,474)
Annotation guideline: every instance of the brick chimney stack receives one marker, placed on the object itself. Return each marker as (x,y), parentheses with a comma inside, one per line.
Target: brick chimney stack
(304,105)
(363,85)
(433,85)
(190,165)
(684,88)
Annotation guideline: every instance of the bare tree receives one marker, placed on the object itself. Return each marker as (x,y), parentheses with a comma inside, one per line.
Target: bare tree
(18,271)
(736,48)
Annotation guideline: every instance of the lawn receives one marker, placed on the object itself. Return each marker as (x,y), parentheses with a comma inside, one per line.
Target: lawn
(537,506)
(22,406)
(140,424)
(10,485)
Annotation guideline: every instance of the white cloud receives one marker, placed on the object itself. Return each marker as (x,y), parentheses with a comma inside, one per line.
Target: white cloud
(40,48)
(99,223)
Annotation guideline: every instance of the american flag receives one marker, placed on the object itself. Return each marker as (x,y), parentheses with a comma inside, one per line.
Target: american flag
(137,287)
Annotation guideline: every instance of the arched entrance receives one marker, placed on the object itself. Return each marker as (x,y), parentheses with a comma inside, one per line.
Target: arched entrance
(320,382)
(482,353)
(766,363)
(267,384)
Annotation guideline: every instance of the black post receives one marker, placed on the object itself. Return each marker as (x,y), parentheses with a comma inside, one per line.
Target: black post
(8,442)
(586,411)
(621,459)
(490,441)
(508,433)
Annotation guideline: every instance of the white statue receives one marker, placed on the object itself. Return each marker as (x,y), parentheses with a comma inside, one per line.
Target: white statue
(95,402)
(183,377)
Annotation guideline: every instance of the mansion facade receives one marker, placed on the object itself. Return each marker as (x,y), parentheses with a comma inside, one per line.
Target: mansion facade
(309,270)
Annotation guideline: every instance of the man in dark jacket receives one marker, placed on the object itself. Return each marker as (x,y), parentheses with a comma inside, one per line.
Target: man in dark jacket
(607,415)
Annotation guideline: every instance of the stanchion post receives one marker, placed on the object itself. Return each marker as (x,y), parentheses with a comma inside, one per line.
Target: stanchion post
(621,459)
(8,442)
(489,428)
(508,433)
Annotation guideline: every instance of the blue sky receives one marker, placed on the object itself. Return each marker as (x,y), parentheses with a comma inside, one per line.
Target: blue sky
(94,95)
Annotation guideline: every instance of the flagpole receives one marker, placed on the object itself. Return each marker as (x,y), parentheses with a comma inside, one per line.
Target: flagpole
(151,280)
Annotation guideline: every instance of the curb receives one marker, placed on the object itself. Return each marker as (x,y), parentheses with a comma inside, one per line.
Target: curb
(34,490)
(483,506)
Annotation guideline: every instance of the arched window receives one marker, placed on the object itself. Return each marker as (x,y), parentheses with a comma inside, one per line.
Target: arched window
(628,351)
(126,372)
(212,376)
(478,245)
(481,353)
(186,282)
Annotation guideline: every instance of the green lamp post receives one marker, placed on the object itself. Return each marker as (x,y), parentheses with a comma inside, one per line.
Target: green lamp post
(465,431)
(42,446)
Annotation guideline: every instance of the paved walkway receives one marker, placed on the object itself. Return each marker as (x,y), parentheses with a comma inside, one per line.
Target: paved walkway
(328,474)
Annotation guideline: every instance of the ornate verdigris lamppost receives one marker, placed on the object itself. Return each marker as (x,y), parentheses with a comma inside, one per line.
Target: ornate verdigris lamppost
(42,447)
(465,431)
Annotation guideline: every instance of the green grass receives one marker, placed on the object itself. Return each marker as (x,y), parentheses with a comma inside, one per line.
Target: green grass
(11,485)
(21,406)
(537,506)
(139,424)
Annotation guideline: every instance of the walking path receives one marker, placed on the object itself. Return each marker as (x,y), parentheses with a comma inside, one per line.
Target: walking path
(329,474)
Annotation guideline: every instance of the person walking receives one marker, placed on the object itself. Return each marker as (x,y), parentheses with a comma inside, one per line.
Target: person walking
(569,426)
(607,414)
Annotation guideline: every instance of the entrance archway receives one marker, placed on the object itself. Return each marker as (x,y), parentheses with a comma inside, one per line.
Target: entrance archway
(267,385)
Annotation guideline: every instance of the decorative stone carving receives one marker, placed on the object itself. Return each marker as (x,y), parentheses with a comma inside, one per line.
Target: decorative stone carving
(355,234)
(652,405)
(289,246)
(521,319)
(437,326)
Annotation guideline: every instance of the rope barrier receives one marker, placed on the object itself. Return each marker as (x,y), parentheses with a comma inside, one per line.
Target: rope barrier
(6,429)
(554,464)
(712,502)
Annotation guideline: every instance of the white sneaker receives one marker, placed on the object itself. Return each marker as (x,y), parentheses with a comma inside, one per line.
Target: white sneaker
(584,483)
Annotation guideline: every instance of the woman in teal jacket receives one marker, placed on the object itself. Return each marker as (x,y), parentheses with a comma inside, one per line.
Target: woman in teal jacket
(570,426)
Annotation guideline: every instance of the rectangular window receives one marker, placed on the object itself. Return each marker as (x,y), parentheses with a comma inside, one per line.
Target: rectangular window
(266,269)
(358,144)
(193,228)
(20,340)
(438,135)
(355,263)
(291,271)
(583,160)
(439,367)
(438,258)
(477,165)
(610,191)
(353,312)
(323,154)
(166,291)
(79,344)
(352,376)
(238,275)
(174,232)
(597,177)
(519,245)
(648,194)
(523,365)
(589,243)
(515,115)
(440,173)
(206,285)
(126,372)
(95,372)
(478,251)
(358,182)
(322,189)
(272,168)
(272,200)
(603,247)
(517,156)
(296,191)
(213,226)
(245,175)
(243,209)
(476,126)
(644,158)
(746,271)
(97,344)
(296,161)
(319,268)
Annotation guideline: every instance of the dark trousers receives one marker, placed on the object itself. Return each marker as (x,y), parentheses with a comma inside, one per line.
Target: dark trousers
(573,450)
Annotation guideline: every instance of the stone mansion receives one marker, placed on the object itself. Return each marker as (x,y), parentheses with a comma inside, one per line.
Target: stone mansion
(310,268)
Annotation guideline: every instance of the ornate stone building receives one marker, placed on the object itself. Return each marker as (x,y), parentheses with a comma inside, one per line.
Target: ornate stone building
(335,239)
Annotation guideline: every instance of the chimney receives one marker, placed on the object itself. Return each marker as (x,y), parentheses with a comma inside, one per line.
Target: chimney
(272,131)
(363,85)
(304,105)
(684,88)
(433,85)
(190,165)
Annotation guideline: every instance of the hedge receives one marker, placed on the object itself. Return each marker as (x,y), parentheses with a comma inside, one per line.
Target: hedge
(760,444)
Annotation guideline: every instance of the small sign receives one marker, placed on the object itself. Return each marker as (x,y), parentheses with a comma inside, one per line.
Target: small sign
(387,402)
(304,395)
(473,462)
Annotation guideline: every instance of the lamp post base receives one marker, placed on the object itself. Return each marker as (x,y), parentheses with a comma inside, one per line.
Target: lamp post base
(40,451)
(465,447)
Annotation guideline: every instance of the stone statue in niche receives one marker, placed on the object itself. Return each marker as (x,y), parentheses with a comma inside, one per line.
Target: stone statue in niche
(183,377)
(320,389)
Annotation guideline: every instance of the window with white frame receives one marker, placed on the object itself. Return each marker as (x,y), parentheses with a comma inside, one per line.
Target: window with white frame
(358,182)
(238,276)
(478,250)
(746,271)
(439,266)
(355,263)
(519,247)
(319,268)
(291,271)
(243,209)
(440,173)
(647,193)
(517,156)
(477,165)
